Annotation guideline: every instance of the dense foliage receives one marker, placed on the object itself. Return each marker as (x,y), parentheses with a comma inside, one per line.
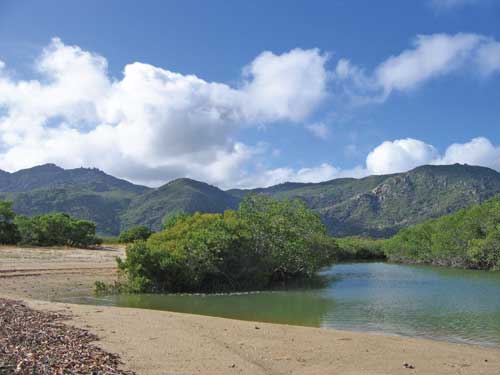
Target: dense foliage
(136,233)
(262,243)
(9,234)
(55,229)
(468,238)
(360,248)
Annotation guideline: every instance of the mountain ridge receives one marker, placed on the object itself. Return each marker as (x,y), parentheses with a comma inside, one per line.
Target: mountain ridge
(377,205)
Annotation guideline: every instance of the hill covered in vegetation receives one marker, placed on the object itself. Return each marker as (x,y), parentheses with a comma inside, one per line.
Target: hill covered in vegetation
(181,195)
(376,206)
(88,194)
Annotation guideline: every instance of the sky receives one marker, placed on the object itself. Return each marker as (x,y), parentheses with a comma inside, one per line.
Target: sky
(247,94)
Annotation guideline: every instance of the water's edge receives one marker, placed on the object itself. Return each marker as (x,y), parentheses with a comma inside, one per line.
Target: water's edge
(430,302)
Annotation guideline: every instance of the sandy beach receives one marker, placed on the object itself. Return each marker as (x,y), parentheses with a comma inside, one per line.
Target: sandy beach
(157,342)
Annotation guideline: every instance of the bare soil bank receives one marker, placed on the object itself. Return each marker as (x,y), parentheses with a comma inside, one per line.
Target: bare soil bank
(55,273)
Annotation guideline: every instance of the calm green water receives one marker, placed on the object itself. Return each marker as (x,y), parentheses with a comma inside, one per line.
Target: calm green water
(448,304)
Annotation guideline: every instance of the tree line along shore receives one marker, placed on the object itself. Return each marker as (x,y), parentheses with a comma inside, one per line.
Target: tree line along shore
(264,243)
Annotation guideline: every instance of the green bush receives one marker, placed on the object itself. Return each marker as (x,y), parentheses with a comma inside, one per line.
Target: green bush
(173,218)
(263,243)
(360,248)
(56,229)
(469,238)
(9,235)
(136,233)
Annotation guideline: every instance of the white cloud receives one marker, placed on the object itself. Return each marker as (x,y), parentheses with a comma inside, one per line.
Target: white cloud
(399,155)
(479,151)
(286,86)
(319,130)
(488,58)
(389,157)
(432,56)
(322,172)
(152,124)
(404,154)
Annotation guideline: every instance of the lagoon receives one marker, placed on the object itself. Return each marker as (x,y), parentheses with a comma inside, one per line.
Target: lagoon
(418,301)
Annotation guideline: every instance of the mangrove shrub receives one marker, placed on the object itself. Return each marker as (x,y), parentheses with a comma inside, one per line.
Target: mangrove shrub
(137,233)
(56,229)
(9,234)
(262,243)
(468,238)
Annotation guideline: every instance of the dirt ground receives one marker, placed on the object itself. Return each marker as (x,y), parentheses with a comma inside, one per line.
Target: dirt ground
(163,343)
(55,273)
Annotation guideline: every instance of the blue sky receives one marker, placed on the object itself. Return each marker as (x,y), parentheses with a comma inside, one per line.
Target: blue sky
(249,93)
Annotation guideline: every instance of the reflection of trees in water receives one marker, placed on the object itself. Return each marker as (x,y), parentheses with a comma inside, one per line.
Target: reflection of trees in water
(459,273)
(409,300)
(301,307)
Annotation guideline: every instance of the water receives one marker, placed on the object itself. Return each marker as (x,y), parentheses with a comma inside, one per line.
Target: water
(447,304)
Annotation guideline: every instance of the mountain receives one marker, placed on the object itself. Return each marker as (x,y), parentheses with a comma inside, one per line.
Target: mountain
(85,193)
(376,205)
(379,206)
(181,195)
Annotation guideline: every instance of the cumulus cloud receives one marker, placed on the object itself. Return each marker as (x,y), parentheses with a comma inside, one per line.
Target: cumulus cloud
(432,56)
(479,151)
(322,172)
(152,124)
(395,156)
(404,154)
(399,155)
(284,86)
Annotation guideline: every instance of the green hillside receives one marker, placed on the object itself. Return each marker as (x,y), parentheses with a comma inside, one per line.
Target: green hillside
(181,195)
(379,206)
(83,193)
(374,206)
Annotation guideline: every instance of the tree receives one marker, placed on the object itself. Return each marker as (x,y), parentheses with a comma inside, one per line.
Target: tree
(173,218)
(468,238)
(289,236)
(136,233)
(264,242)
(9,235)
(56,229)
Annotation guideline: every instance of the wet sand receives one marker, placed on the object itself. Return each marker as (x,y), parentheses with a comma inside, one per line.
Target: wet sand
(158,342)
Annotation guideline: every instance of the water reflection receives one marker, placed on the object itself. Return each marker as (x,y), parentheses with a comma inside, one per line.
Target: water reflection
(455,305)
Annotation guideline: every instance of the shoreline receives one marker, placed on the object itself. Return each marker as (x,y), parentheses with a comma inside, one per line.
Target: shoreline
(153,342)
(442,339)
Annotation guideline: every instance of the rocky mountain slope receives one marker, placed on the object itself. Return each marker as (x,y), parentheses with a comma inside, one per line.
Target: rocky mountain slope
(376,205)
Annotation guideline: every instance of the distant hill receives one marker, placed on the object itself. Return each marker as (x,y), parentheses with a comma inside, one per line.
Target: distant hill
(50,176)
(376,205)
(85,193)
(381,205)
(181,195)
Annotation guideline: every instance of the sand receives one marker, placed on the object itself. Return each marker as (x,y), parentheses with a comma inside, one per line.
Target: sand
(157,342)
